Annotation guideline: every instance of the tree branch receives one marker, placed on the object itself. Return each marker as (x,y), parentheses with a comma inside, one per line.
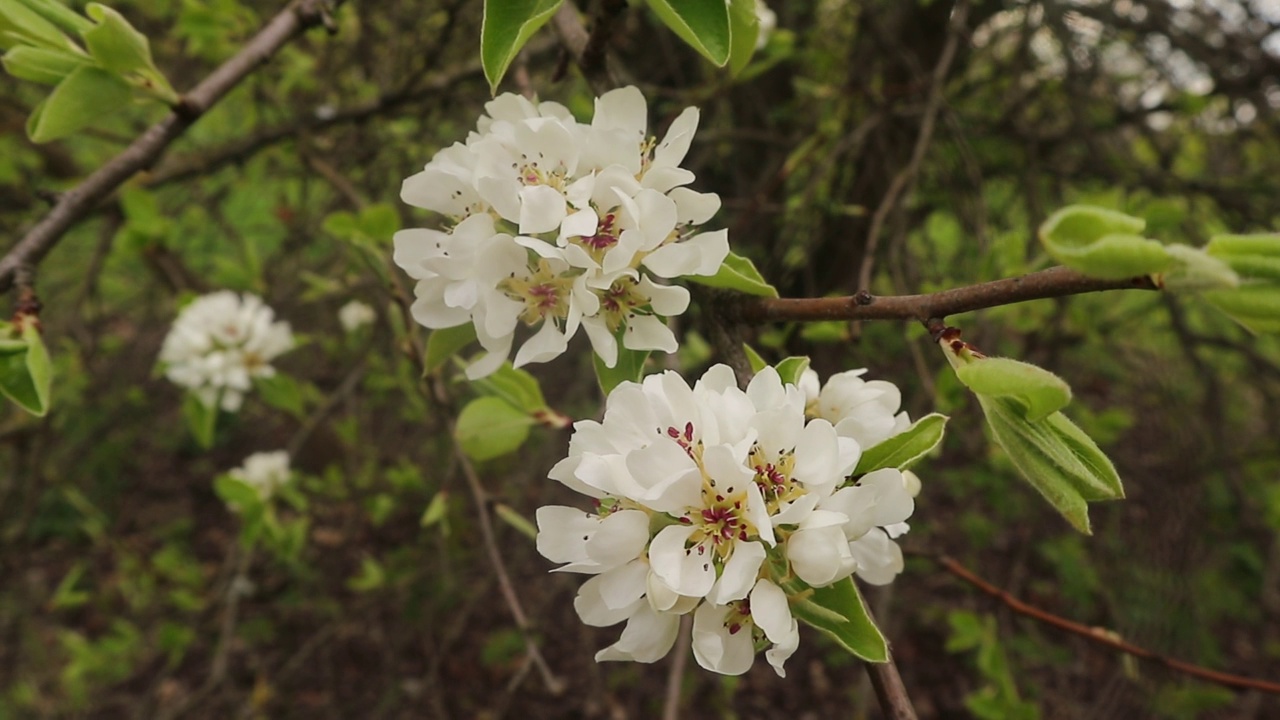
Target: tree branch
(1102,636)
(1054,282)
(78,202)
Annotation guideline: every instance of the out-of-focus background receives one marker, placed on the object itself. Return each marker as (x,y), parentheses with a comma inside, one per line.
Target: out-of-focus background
(124,592)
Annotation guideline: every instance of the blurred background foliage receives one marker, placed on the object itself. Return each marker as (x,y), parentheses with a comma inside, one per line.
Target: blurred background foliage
(124,591)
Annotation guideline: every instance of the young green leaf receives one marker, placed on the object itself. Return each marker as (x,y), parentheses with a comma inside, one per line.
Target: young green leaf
(282,392)
(20,25)
(26,376)
(437,511)
(81,99)
(629,367)
(121,49)
(236,493)
(1102,243)
(753,358)
(791,369)
(1039,391)
(1254,305)
(703,24)
(40,64)
(506,27)
(490,427)
(516,386)
(1251,256)
(737,273)
(837,612)
(516,520)
(903,450)
(442,344)
(1195,270)
(744,30)
(70,21)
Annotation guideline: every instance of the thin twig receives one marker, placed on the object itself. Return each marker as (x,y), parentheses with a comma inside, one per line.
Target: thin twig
(1054,282)
(554,684)
(675,674)
(1102,636)
(78,202)
(902,182)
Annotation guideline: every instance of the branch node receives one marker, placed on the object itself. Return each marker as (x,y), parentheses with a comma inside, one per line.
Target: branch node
(863,297)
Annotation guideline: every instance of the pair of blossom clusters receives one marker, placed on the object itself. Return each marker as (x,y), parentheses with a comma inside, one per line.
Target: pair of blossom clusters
(559,224)
(714,501)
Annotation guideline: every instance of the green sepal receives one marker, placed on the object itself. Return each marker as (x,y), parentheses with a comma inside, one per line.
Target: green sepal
(791,369)
(1102,243)
(81,99)
(201,419)
(444,343)
(703,24)
(838,612)
(506,27)
(26,374)
(1038,391)
(490,427)
(41,64)
(628,368)
(737,273)
(906,448)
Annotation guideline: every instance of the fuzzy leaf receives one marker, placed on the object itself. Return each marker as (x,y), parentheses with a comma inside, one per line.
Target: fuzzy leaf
(1251,256)
(904,449)
(1102,243)
(737,273)
(40,64)
(81,99)
(70,21)
(21,25)
(490,427)
(1195,270)
(1253,305)
(837,612)
(1039,391)
(507,26)
(703,24)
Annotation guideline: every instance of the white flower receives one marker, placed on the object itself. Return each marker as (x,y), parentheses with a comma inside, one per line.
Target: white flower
(866,411)
(597,212)
(219,343)
(768,20)
(265,472)
(355,315)
(725,636)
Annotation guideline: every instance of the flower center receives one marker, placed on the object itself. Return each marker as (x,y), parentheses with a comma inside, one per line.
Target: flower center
(723,517)
(535,171)
(621,301)
(545,294)
(773,477)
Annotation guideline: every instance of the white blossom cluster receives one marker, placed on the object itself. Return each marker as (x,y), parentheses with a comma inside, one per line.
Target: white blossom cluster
(711,500)
(265,472)
(219,343)
(559,224)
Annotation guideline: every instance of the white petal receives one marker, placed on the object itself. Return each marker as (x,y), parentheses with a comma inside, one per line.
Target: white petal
(674,146)
(739,574)
(541,209)
(611,597)
(879,558)
(820,556)
(647,638)
(602,341)
(694,208)
(622,109)
(666,479)
(718,649)
(687,571)
(648,332)
(666,300)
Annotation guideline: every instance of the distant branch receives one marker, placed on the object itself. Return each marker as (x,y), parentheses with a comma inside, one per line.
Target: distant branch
(1101,636)
(75,204)
(1054,282)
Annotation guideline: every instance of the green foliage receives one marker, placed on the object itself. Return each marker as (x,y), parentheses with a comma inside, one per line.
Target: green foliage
(906,448)
(628,368)
(737,273)
(838,612)
(490,427)
(1102,243)
(26,374)
(703,24)
(790,369)
(998,699)
(508,25)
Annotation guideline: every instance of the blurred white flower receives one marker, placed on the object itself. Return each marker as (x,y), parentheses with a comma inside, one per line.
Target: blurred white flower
(219,343)
(265,472)
(355,315)
(768,20)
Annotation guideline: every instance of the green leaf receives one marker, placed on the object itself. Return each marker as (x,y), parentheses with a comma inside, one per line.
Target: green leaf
(1056,457)
(380,221)
(490,427)
(1195,270)
(81,99)
(837,612)
(737,273)
(121,49)
(26,376)
(237,494)
(20,25)
(1039,391)
(1251,256)
(372,576)
(283,393)
(1253,305)
(444,343)
(904,449)
(629,367)
(1102,243)
(516,520)
(40,64)
(60,15)
(506,27)
(516,386)
(703,24)
(66,596)
(753,358)
(744,30)
(201,419)
(437,511)
(791,369)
